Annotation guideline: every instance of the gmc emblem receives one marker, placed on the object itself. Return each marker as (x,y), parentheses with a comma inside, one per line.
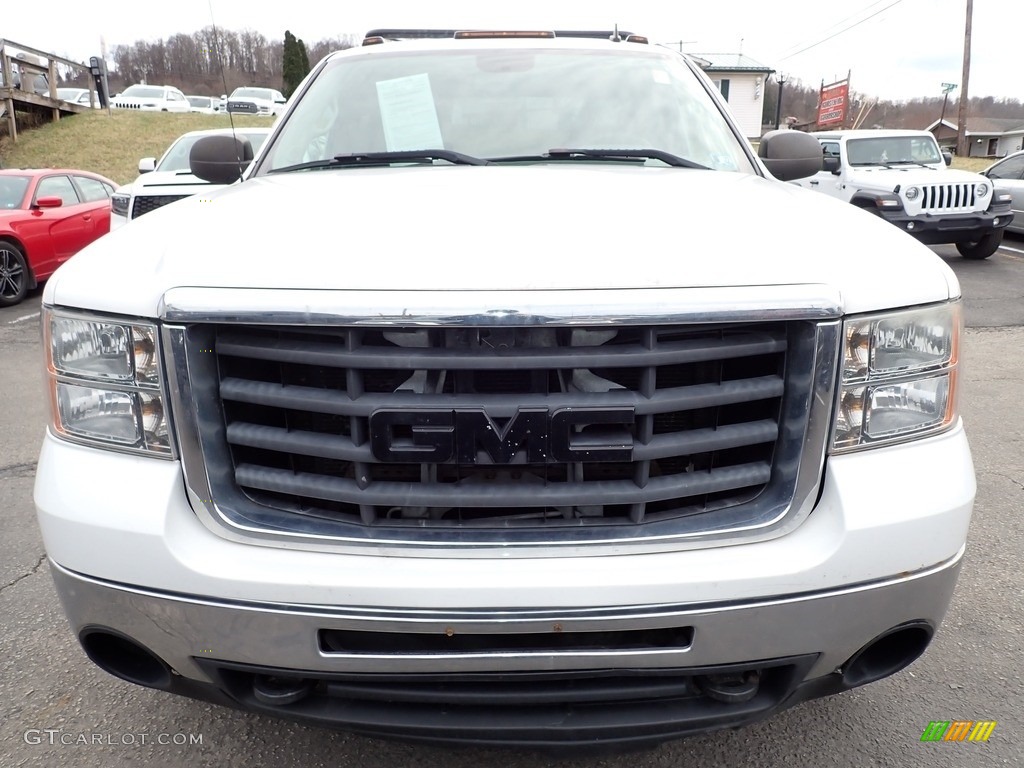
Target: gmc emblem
(435,436)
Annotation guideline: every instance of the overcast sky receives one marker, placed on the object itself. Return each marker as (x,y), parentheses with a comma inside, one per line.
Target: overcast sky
(895,49)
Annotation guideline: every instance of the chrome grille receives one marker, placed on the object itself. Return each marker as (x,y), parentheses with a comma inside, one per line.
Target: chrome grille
(720,414)
(948,197)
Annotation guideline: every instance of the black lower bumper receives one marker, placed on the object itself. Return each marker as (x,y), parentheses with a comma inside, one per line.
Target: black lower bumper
(953,228)
(610,709)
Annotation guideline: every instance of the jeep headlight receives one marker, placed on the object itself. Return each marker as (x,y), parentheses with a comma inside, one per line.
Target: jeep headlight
(899,376)
(911,193)
(105,382)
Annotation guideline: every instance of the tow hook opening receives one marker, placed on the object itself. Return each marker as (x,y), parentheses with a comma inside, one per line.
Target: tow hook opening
(280,691)
(734,688)
(888,653)
(125,658)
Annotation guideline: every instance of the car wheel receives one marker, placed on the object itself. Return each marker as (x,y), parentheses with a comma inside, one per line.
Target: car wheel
(981,248)
(13,274)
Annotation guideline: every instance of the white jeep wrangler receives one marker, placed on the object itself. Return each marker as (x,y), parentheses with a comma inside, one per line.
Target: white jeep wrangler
(498,439)
(902,176)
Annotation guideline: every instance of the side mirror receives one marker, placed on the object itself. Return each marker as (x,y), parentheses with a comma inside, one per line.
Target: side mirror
(947,157)
(147,164)
(280,101)
(790,155)
(220,159)
(49,202)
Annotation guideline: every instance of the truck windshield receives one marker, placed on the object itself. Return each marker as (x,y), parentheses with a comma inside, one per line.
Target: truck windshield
(508,103)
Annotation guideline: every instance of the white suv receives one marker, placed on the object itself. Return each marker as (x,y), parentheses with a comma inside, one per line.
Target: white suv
(170,179)
(509,399)
(256,101)
(151,98)
(901,176)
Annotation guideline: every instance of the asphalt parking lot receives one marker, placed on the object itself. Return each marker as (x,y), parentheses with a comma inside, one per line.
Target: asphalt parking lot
(58,709)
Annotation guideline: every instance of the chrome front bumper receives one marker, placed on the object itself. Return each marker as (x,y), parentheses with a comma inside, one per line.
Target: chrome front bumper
(180,629)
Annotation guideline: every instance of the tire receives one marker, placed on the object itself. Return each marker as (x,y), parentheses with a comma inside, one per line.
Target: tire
(14,274)
(981,248)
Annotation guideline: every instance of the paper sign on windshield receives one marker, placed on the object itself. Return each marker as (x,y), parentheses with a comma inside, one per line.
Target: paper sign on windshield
(408,114)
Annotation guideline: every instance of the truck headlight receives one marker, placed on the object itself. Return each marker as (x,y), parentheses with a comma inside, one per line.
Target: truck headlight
(119,202)
(105,382)
(899,376)
(911,193)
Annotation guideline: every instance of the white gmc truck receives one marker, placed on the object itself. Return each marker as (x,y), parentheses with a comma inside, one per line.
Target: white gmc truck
(539,418)
(901,176)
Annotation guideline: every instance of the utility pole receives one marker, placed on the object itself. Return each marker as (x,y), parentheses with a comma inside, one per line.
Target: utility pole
(778,105)
(962,147)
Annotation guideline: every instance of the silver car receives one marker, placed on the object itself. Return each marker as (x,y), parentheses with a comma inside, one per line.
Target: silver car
(1008,175)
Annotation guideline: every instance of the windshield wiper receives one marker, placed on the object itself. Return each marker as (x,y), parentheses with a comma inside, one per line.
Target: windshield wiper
(627,154)
(605,154)
(910,162)
(385,158)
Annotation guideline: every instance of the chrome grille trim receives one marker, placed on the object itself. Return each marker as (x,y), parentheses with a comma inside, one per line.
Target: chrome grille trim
(626,306)
(253,523)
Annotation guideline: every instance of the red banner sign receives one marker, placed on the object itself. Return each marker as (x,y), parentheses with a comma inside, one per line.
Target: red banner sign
(832,103)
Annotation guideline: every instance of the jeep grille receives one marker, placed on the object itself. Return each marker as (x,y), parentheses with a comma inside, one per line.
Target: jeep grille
(948,198)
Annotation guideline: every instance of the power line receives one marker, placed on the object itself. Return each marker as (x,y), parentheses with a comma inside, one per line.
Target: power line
(841,31)
(784,51)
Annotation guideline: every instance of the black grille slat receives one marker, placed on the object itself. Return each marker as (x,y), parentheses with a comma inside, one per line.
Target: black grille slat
(656,447)
(703,422)
(675,399)
(317,353)
(297,441)
(498,493)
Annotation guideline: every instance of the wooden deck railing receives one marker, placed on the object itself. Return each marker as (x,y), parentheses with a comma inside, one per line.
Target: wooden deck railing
(30,63)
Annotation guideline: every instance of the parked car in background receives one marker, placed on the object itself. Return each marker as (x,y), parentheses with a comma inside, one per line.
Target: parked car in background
(80,96)
(170,179)
(902,177)
(46,217)
(205,105)
(31,81)
(1008,176)
(256,101)
(152,98)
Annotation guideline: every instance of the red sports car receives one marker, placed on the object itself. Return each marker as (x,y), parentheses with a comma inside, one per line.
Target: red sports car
(46,217)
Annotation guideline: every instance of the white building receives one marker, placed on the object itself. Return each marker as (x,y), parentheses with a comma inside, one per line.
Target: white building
(742,82)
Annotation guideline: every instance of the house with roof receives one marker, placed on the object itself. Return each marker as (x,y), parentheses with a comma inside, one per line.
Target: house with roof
(986,136)
(741,80)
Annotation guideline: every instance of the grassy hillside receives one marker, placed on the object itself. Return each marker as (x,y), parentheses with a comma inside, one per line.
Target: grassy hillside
(109,145)
(112,145)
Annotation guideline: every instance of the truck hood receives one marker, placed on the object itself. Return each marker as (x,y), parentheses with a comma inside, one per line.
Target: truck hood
(459,228)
